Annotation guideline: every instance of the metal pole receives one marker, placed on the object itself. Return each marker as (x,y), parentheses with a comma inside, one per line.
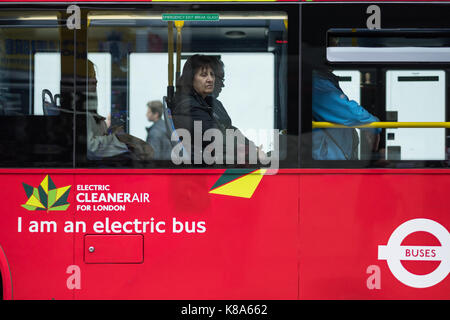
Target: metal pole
(178,25)
(170,90)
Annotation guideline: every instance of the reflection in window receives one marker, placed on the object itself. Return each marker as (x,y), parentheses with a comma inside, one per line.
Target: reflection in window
(415,95)
(33,131)
(102,63)
(252,46)
(47,76)
(399,76)
(253,111)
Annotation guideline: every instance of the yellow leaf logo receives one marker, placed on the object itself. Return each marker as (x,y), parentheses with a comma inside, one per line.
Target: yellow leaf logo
(46,196)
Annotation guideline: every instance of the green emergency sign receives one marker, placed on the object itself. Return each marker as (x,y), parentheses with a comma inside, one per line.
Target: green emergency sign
(190,17)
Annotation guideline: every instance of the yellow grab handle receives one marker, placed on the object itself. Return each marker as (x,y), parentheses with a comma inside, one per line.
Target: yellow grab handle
(316,124)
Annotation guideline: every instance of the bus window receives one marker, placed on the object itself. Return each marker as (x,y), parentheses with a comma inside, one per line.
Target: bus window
(47,76)
(375,98)
(102,62)
(36,124)
(256,120)
(413,95)
(252,46)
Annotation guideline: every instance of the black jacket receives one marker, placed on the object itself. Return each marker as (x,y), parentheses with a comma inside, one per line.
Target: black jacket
(192,107)
(188,108)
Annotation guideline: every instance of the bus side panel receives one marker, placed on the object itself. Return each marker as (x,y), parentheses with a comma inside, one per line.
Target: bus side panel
(344,218)
(35,244)
(5,277)
(236,248)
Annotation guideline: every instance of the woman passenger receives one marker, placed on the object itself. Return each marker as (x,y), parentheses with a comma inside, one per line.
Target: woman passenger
(196,100)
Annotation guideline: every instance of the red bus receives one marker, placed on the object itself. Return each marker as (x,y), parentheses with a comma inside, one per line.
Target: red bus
(92,209)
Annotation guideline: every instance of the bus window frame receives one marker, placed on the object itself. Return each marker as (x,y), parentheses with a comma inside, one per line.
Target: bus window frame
(293,12)
(395,9)
(69,87)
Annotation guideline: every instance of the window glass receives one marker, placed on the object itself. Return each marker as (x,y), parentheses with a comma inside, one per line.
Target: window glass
(256,120)
(36,124)
(47,76)
(375,98)
(138,122)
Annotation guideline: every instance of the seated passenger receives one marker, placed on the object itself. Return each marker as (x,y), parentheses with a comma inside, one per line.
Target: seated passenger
(102,145)
(157,135)
(196,100)
(330,104)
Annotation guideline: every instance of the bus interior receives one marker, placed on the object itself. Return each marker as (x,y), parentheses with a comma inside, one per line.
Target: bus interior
(45,66)
(398,74)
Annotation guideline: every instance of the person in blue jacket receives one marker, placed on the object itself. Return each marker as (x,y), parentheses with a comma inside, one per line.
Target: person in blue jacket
(330,104)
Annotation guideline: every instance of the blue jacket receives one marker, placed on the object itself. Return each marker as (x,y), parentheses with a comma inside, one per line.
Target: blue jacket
(330,104)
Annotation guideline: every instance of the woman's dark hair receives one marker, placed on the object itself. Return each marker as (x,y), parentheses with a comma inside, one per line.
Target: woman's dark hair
(198,62)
